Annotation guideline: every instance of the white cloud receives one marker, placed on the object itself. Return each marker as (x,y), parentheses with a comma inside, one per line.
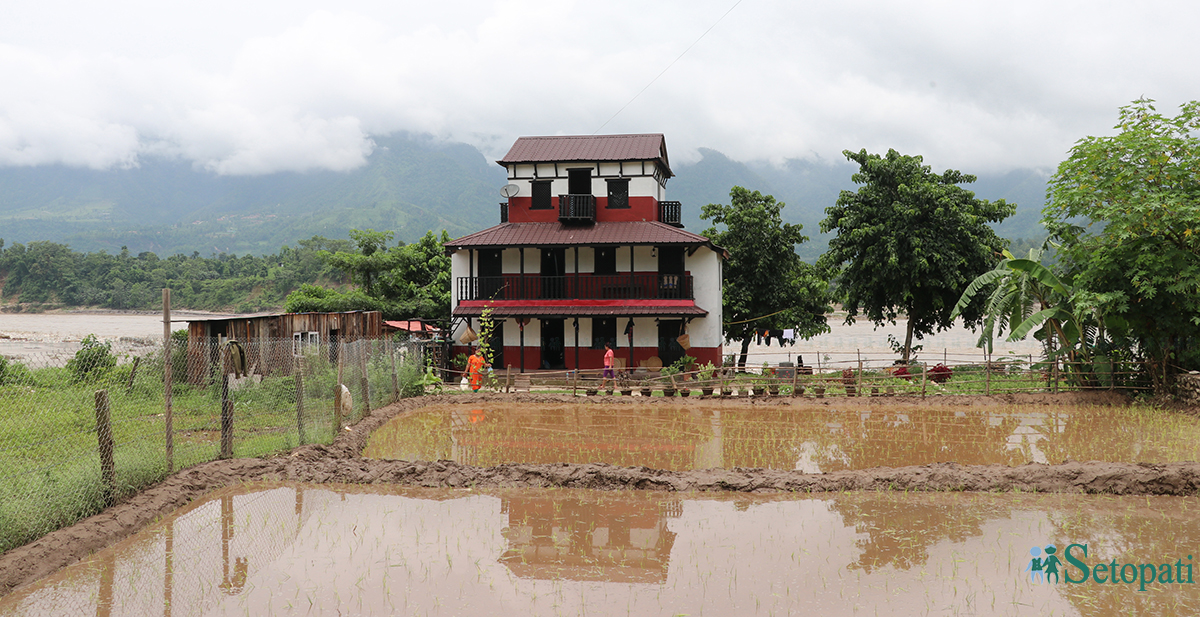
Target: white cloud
(251,89)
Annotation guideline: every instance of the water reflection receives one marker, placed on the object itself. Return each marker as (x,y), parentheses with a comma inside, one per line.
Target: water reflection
(597,537)
(371,550)
(813,439)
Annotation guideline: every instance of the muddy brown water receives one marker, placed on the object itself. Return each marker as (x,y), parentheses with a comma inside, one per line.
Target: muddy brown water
(441,537)
(306,549)
(840,436)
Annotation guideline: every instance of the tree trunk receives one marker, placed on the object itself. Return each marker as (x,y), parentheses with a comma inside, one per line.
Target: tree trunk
(908,340)
(742,356)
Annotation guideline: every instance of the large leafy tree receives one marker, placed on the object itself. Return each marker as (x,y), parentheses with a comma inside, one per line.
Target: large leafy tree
(1139,193)
(909,241)
(404,281)
(766,285)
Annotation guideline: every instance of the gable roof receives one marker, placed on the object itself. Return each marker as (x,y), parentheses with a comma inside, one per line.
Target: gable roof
(599,234)
(581,148)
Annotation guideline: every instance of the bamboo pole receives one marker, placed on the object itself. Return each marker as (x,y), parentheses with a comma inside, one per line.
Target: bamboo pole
(858,378)
(391,352)
(300,398)
(226,407)
(924,369)
(987,373)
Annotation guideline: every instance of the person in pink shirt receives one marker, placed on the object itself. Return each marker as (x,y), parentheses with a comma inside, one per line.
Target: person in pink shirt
(608,365)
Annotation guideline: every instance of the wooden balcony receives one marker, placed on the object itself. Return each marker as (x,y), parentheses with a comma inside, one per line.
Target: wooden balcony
(636,286)
(577,209)
(671,213)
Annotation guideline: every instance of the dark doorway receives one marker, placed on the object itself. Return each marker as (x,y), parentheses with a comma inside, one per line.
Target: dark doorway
(579,181)
(554,273)
(553,344)
(670,272)
(669,350)
(491,274)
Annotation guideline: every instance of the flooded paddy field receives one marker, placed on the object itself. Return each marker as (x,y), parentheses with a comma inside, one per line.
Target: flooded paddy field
(302,549)
(795,435)
(558,505)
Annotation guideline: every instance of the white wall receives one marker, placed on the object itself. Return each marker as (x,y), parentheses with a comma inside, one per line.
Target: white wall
(706,268)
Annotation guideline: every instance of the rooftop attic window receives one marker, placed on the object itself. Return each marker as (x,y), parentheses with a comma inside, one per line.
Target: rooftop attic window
(541,195)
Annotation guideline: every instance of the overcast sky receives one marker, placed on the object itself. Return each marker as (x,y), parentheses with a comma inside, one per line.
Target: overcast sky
(256,87)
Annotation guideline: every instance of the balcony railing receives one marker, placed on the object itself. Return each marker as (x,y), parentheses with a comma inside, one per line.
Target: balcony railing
(671,213)
(637,286)
(577,208)
(504,212)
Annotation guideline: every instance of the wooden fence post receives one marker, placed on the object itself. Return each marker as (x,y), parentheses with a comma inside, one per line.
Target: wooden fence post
(924,369)
(795,375)
(391,352)
(507,378)
(104,437)
(364,349)
(169,416)
(337,390)
(226,410)
(300,397)
(987,373)
(858,380)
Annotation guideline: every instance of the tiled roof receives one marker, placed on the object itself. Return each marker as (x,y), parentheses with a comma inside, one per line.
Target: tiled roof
(581,311)
(553,234)
(560,148)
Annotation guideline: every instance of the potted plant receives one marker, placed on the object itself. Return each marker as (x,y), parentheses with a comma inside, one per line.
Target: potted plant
(670,372)
(705,377)
(646,390)
(848,381)
(624,384)
(819,391)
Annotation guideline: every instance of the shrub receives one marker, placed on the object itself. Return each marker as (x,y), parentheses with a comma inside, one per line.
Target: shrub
(93,360)
(941,373)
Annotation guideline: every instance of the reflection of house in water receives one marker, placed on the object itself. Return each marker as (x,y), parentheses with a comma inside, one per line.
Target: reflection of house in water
(590,538)
(666,438)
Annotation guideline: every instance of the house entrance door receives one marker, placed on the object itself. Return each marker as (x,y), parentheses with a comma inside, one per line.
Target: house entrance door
(553,344)
(554,273)
(669,350)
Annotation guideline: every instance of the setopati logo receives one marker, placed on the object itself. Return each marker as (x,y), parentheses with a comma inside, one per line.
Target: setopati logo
(1074,567)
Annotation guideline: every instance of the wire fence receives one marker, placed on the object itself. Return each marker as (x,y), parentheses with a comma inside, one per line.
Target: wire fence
(83,431)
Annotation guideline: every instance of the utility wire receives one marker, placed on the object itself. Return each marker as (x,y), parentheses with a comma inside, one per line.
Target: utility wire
(689,48)
(731,323)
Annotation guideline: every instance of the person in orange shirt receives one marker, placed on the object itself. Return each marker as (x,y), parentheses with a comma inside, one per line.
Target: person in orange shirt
(608,365)
(475,366)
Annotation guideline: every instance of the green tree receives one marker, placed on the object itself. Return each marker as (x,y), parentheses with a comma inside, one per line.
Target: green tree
(909,242)
(767,285)
(402,281)
(1139,191)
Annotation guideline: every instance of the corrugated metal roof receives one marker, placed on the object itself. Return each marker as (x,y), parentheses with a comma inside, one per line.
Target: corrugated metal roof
(581,311)
(563,148)
(599,234)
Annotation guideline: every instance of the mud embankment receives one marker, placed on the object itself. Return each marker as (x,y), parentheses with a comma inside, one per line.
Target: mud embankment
(341,463)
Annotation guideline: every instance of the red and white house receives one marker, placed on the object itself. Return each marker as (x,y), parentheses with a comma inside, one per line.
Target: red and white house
(588,250)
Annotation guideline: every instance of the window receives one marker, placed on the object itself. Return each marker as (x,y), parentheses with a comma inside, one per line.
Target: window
(604,330)
(606,260)
(618,194)
(541,195)
(302,341)
(579,181)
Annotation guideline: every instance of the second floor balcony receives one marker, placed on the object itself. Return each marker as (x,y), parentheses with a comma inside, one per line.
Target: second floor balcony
(626,286)
(577,208)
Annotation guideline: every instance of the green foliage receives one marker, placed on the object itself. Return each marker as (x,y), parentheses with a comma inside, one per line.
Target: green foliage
(1140,252)
(909,241)
(93,361)
(12,372)
(766,284)
(51,273)
(403,282)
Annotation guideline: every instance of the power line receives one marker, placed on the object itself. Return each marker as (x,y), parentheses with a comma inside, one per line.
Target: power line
(689,48)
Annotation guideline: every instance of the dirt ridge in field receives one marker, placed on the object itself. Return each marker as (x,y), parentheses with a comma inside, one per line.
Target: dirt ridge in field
(341,463)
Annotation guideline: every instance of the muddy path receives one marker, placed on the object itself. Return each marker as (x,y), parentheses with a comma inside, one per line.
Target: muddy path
(341,463)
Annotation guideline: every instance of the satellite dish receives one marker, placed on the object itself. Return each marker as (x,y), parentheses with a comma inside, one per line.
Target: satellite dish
(509,190)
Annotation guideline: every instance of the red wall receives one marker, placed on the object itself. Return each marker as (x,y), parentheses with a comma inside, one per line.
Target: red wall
(641,208)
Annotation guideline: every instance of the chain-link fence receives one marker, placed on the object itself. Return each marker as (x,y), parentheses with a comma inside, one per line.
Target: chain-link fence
(84,430)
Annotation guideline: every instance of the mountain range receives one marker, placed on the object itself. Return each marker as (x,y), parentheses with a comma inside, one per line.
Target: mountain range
(411,184)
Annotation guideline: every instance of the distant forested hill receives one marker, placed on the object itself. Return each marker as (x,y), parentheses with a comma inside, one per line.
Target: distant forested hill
(410,185)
